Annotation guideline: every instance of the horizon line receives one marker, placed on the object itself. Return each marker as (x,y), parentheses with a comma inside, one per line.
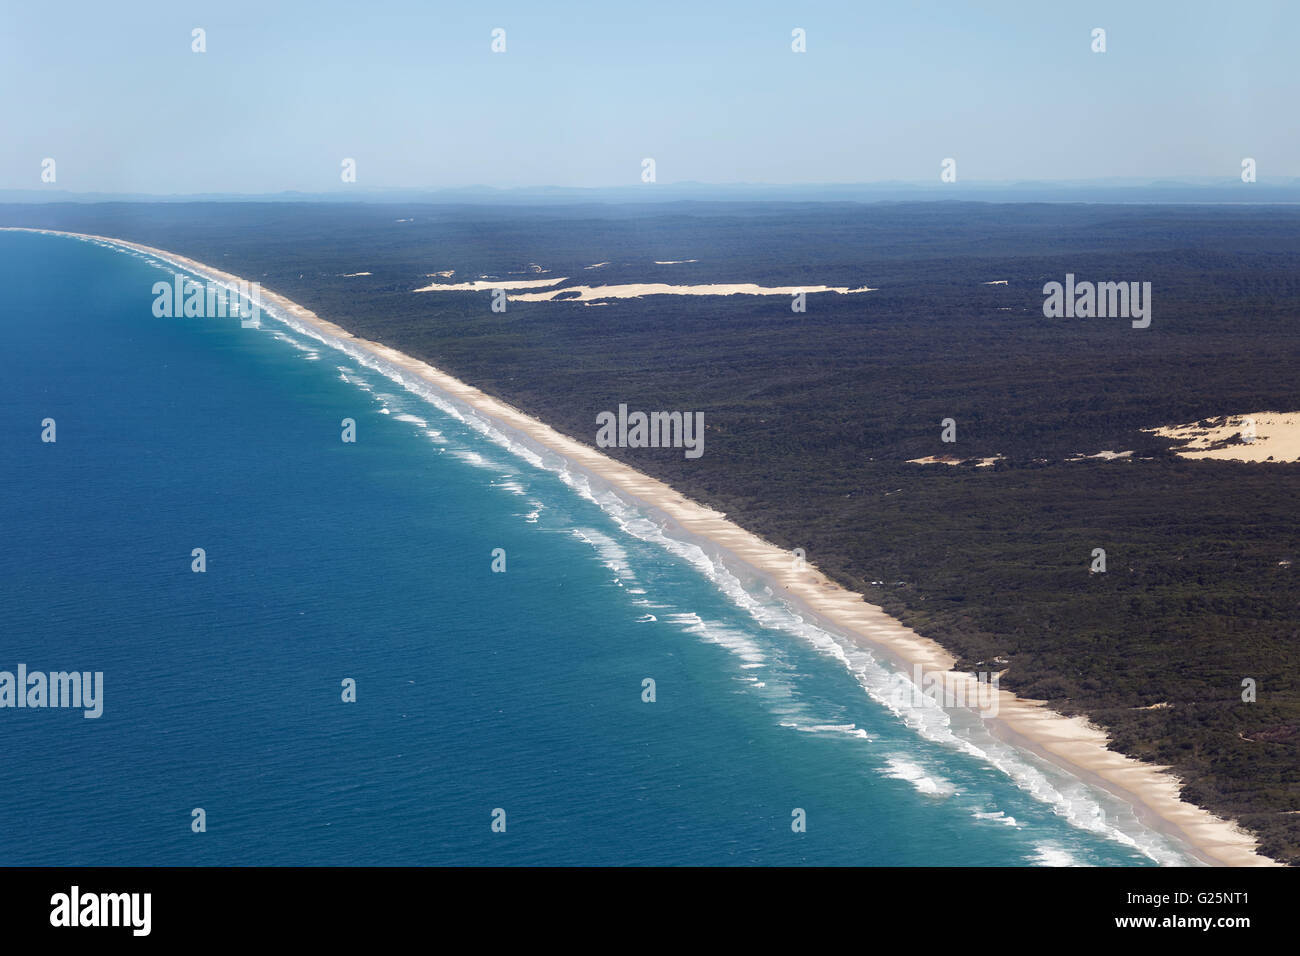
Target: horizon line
(1225,189)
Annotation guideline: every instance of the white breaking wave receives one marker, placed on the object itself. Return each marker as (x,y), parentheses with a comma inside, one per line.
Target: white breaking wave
(1049,854)
(612,554)
(850,730)
(997,816)
(733,639)
(475,459)
(931,785)
(310,353)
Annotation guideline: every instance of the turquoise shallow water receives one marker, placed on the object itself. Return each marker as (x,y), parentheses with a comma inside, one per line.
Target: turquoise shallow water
(475,690)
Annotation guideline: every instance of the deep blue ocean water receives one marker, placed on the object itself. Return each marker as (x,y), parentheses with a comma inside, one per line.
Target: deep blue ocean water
(475,690)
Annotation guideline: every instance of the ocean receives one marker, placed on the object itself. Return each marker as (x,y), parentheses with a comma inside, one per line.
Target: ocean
(499,716)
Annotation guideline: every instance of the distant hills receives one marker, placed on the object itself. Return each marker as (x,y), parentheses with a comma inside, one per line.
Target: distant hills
(1112,190)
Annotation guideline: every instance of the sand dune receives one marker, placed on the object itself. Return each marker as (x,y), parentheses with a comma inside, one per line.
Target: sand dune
(484,285)
(587,293)
(1105,455)
(1259,436)
(601,293)
(950,460)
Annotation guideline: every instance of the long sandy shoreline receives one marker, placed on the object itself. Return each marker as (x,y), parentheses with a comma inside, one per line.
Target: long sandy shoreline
(1070,743)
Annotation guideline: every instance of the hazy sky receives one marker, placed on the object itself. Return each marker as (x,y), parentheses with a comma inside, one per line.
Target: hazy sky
(584,91)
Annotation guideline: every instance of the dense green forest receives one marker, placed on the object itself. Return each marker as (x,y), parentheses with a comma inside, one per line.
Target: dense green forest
(811,417)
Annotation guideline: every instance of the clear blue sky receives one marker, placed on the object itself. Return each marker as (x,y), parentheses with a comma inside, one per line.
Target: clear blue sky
(712,91)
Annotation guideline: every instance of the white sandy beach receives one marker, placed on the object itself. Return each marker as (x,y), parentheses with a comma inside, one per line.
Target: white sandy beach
(1069,742)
